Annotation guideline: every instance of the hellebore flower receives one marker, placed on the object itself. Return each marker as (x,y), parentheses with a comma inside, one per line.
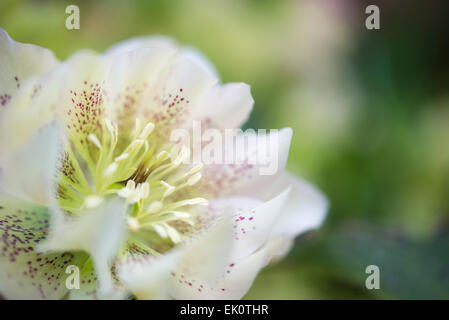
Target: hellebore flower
(90,178)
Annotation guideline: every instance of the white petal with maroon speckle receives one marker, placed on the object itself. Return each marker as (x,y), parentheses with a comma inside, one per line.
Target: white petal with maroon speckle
(170,99)
(225,106)
(233,283)
(98,231)
(18,62)
(202,261)
(182,272)
(221,180)
(252,221)
(24,272)
(88,289)
(148,277)
(132,73)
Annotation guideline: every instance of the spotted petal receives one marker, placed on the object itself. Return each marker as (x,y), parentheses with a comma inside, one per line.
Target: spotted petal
(18,63)
(26,273)
(183,272)
(225,106)
(97,231)
(269,155)
(252,221)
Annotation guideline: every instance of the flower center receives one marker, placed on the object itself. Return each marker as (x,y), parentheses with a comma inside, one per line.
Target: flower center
(153,182)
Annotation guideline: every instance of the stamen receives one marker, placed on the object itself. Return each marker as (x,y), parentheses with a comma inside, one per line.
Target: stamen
(146,131)
(170,189)
(172,233)
(154,207)
(197,201)
(92,138)
(136,144)
(134,193)
(112,128)
(110,169)
(122,157)
(138,126)
(144,190)
(131,184)
(182,215)
(160,154)
(194,179)
(195,169)
(160,230)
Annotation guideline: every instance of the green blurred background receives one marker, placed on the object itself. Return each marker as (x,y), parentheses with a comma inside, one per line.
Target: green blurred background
(369,110)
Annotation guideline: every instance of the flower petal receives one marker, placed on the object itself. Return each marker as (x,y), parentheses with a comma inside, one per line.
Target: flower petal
(19,62)
(163,42)
(239,277)
(276,248)
(131,74)
(98,231)
(179,272)
(252,221)
(233,283)
(225,106)
(88,289)
(170,99)
(202,261)
(152,83)
(305,209)
(269,155)
(137,43)
(24,272)
(148,277)
(28,171)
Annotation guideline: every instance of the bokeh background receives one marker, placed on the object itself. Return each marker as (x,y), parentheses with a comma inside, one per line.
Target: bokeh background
(369,110)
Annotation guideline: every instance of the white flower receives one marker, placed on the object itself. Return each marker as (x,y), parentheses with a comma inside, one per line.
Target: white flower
(86,178)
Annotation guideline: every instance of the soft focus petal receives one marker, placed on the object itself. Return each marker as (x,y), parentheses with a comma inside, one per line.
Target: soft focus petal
(148,278)
(233,283)
(246,179)
(238,278)
(28,171)
(163,42)
(88,289)
(182,271)
(225,106)
(171,99)
(98,231)
(141,42)
(202,262)
(252,221)
(19,62)
(25,273)
(132,72)
(277,247)
(305,209)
